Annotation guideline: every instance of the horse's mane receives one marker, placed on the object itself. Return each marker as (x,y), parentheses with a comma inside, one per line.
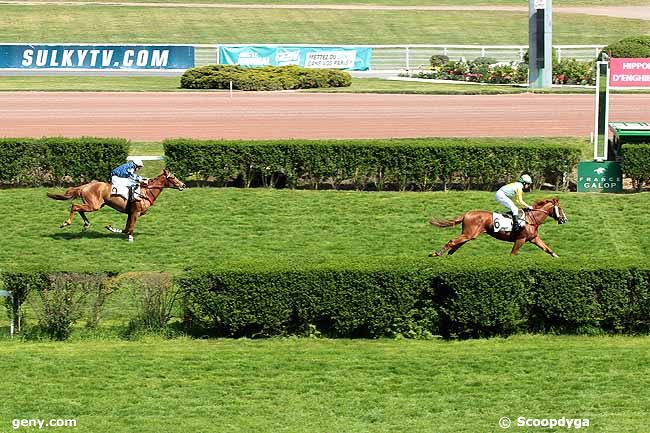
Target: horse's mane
(541,203)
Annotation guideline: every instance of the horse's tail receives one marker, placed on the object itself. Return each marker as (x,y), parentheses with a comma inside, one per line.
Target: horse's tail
(447,223)
(70,193)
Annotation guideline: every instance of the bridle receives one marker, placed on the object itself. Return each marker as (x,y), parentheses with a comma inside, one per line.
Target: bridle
(149,195)
(555,216)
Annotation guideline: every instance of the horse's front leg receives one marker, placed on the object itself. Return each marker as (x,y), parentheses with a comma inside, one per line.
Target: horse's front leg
(540,243)
(517,246)
(130,224)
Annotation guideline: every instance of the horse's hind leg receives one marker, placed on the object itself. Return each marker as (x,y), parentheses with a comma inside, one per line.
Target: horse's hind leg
(453,245)
(86,221)
(81,208)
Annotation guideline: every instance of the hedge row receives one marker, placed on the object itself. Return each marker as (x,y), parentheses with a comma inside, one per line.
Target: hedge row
(636,163)
(413,300)
(262,78)
(58,160)
(399,164)
(418,301)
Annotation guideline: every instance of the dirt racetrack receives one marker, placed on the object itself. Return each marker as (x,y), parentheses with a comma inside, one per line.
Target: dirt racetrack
(155,116)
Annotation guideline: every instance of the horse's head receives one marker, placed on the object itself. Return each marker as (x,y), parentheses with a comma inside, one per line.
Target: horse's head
(172,181)
(552,208)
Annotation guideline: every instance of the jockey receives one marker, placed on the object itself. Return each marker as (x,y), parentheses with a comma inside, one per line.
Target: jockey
(126,175)
(506,193)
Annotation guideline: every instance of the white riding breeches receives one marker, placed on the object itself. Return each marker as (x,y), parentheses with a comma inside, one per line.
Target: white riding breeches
(505,200)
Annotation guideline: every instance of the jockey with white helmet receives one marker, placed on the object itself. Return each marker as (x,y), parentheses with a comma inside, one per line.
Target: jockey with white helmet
(514,190)
(126,175)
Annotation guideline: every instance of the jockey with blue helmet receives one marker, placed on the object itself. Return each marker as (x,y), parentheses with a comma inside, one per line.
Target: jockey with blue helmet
(514,191)
(126,175)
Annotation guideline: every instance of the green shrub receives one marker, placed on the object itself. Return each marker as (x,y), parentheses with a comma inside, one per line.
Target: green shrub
(632,47)
(570,71)
(63,301)
(636,163)
(20,285)
(484,61)
(263,78)
(481,300)
(405,164)
(58,160)
(438,60)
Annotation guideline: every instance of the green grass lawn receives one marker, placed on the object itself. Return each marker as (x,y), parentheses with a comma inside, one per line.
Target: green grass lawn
(337,386)
(171,84)
(233,227)
(109,24)
(522,3)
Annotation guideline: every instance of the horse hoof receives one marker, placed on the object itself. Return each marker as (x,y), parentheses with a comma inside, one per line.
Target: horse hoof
(85,227)
(64,225)
(130,238)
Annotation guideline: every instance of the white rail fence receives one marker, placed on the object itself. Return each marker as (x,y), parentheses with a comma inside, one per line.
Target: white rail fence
(407,57)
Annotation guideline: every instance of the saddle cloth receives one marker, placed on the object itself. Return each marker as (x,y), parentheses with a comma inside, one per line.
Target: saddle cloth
(120,186)
(503,222)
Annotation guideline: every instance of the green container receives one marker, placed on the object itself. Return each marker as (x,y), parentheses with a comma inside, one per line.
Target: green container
(630,132)
(603,176)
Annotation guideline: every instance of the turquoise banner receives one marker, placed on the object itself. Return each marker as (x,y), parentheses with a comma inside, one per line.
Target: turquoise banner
(347,58)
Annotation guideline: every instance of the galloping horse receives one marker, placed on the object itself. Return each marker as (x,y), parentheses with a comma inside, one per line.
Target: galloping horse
(478,221)
(96,195)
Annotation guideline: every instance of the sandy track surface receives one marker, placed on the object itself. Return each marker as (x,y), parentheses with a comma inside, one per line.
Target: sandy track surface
(156,116)
(633,12)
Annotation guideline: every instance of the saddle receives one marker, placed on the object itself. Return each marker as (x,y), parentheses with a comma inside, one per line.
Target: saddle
(124,189)
(502,222)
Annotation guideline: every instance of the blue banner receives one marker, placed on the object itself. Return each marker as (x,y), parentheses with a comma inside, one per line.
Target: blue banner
(348,58)
(96,56)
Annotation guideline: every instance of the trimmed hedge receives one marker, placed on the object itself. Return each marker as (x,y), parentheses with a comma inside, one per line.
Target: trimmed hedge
(400,164)
(263,78)
(636,163)
(59,160)
(632,47)
(418,301)
(412,299)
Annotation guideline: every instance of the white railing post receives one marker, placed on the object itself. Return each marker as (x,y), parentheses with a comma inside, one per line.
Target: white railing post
(559,54)
(408,60)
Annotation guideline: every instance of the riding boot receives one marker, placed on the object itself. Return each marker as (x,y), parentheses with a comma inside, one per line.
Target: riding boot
(516,223)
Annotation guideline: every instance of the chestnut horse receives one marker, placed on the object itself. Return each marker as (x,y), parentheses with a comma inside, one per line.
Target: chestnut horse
(477,221)
(96,195)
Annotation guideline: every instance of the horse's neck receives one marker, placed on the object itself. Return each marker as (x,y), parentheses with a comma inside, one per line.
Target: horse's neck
(541,214)
(156,187)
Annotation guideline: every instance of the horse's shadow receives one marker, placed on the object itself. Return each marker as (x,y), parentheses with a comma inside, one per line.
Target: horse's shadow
(66,236)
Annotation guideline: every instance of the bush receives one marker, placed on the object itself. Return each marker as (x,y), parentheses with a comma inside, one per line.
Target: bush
(58,160)
(416,299)
(406,164)
(570,71)
(63,300)
(155,295)
(484,61)
(632,47)
(263,78)
(438,60)
(636,163)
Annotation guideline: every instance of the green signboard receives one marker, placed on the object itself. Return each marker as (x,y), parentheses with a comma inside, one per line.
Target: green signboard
(600,177)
